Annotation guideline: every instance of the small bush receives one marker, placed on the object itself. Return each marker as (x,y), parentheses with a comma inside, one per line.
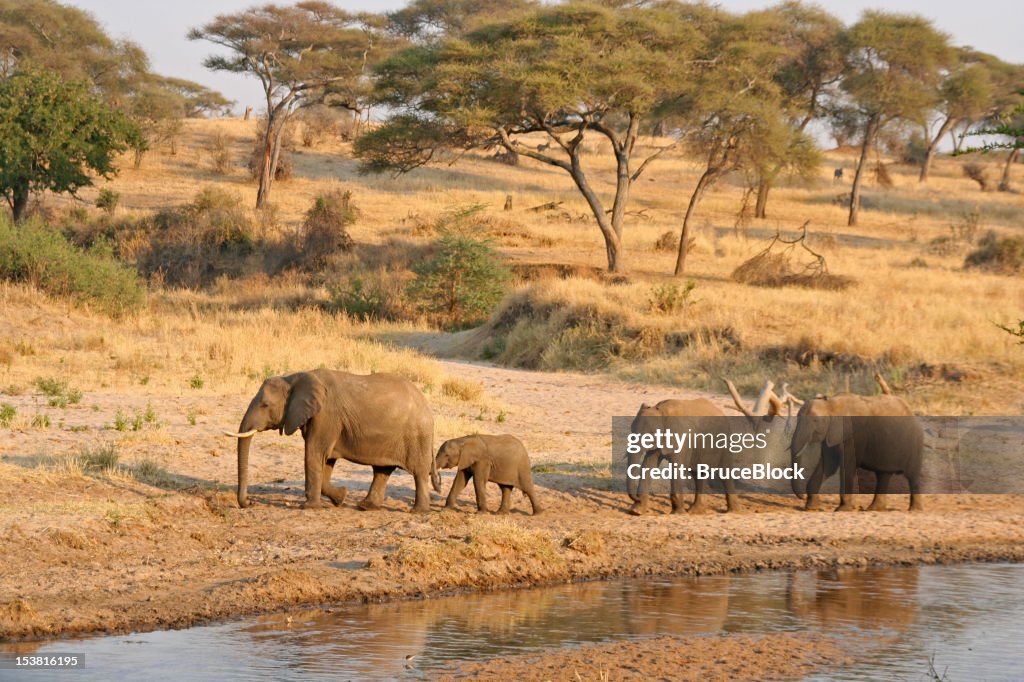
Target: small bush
(1004,255)
(58,392)
(103,458)
(325,229)
(462,283)
(978,173)
(220,154)
(671,298)
(196,382)
(108,200)
(359,300)
(41,421)
(42,257)
(7,414)
(668,241)
(194,244)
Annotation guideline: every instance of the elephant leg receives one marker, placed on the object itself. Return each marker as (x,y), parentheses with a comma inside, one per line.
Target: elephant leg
(375,498)
(878,503)
(814,485)
(643,487)
(462,476)
(915,493)
(480,477)
(676,496)
(332,492)
(847,478)
(315,461)
(506,499)
(422,504)
(529,491)
(700,505)
(732,498)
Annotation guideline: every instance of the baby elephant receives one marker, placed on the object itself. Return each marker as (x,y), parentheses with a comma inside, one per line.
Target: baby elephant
(499,459)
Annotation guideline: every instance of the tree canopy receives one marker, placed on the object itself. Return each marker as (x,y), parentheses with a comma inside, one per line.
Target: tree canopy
(559,73)
(894,66)
(54,135)
(308,53)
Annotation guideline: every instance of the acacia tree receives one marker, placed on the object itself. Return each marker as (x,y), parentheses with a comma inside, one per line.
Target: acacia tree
(568,72)
(305,54)
(894,64)
(965,94)
(735,112)
(810,66)
(54,135)
(67,41)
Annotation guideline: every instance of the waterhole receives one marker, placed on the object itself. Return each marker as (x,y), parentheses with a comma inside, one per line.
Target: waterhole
(963,621)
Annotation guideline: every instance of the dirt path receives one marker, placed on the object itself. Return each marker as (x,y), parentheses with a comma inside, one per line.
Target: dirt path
(101,551)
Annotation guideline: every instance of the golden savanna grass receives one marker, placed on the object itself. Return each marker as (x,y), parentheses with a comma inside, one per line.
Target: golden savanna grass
(912,303)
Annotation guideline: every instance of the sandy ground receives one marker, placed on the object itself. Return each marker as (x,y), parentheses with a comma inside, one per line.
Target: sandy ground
(106,553)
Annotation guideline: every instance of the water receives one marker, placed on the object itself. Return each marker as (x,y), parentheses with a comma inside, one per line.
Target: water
(968,619)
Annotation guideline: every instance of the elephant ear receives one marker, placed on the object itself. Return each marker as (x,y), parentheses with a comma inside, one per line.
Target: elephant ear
(306,399)
(470,453)
(839,429)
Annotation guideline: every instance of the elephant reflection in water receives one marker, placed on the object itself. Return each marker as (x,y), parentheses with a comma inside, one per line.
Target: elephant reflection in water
(869,598)
(682,607)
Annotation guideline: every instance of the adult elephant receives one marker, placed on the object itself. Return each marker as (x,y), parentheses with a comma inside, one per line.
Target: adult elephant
(379,420)
(680,416)
(878,433)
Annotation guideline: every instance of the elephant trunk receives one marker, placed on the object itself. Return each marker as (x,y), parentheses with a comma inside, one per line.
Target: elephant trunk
(245,435)
(243,471)
(435,476)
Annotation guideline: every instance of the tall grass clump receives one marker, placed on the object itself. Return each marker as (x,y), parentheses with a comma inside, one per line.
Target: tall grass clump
(35,254)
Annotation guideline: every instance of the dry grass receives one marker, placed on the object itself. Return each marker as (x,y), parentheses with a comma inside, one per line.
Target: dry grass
(936,314)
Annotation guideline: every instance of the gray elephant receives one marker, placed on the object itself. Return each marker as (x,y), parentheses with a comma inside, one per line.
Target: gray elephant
(379,420)
(679,416)
(482,459)
(878,433)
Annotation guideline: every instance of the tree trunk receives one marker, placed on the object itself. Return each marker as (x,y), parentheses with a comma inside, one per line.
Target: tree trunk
(933,146)
(266,165)
(137,164)
(684,237)
(608,231)
(1004,182)
(761,205)
(19,203)
(869,138)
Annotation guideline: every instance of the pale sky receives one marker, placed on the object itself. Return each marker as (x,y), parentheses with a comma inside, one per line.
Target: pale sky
(160,26)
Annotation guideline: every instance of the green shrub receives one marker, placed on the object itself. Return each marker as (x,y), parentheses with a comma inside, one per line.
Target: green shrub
(58,392)
(325,229)
(7,414)
(42,257)
(108,200)
(366,302)
(671,298)
(102,458)
(196,381)
(998,254)
(462,283)
(41,421)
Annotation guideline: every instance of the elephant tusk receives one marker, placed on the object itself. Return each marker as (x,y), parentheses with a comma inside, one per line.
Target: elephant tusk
(240,435)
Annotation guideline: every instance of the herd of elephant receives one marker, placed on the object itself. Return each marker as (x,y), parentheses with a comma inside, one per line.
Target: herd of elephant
(383,421)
